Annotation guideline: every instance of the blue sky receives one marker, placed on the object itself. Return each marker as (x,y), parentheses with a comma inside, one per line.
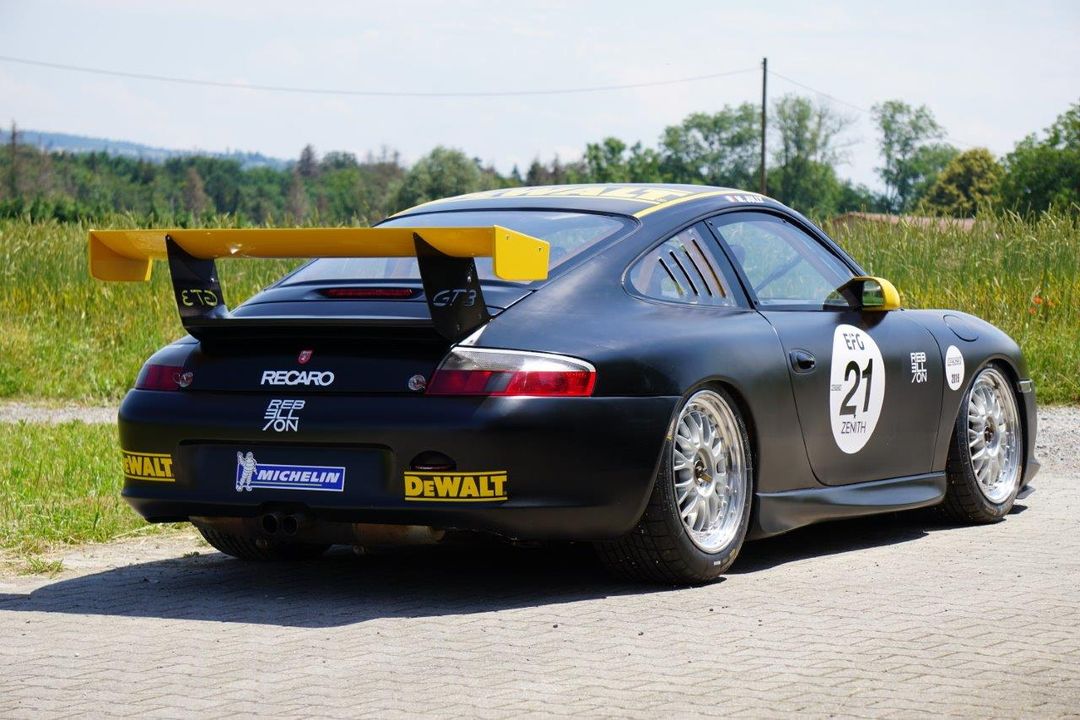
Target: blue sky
(991,71)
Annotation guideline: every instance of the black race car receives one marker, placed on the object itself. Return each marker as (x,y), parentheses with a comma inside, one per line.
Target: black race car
(663,370)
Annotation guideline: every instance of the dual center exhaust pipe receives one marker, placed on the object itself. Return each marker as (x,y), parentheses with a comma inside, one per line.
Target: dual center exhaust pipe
(286,524)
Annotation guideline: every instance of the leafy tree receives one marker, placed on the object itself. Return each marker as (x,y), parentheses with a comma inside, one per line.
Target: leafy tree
(605,161)
(297,203)
(967,183)
(308,165)
(854,197)
(808,135)
(713,149)
(910,152)
(335,160)
(195,199)
(538,174)
(611,161)
(440,173)
(1041,173)
(13,161)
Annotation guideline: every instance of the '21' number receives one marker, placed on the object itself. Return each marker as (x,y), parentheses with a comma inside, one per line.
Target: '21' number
(846,408)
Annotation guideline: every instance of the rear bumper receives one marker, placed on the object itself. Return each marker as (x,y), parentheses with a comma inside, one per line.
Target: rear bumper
(575,468)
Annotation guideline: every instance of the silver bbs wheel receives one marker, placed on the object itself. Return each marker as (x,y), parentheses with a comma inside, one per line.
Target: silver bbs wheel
(993,436)
(709,470)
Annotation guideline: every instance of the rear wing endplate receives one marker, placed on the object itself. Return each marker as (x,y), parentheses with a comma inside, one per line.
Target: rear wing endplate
(445,256)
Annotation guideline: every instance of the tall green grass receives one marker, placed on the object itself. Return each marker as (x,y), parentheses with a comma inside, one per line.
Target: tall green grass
(1021,275)
(65,336)
(60,484)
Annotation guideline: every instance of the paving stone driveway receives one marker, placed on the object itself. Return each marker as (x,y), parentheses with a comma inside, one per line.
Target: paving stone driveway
(892,617)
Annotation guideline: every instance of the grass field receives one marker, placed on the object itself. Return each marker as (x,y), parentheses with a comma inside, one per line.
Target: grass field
(60,484)
(64,336)
(1022,276)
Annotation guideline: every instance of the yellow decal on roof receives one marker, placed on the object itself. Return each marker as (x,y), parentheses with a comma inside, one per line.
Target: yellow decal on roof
(731,195)
(655,197)
(483,486)
(647,194)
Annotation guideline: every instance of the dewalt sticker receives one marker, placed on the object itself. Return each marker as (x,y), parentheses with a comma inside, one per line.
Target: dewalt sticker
(488,486)
(154,467)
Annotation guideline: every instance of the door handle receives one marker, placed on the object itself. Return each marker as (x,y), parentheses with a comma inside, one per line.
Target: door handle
(802,361)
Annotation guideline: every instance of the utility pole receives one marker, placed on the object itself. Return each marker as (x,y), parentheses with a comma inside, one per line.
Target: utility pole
(764,78)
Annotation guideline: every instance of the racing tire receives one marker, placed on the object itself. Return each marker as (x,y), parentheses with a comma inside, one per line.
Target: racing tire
(249,548)
(698,513)
(986,453)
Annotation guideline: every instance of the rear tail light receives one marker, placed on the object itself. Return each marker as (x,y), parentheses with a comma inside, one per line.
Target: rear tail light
(478,371)
(162,377)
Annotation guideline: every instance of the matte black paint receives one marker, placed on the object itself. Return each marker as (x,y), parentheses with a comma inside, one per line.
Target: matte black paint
(578,468)
(783,511)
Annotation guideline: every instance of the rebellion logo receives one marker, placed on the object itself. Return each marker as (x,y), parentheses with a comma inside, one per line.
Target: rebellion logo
(318,378)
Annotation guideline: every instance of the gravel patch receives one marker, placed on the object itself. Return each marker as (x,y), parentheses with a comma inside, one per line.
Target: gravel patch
(1057,444)
(14,412)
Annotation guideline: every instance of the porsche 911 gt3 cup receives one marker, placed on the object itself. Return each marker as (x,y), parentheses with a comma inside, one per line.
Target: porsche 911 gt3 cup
(661,370)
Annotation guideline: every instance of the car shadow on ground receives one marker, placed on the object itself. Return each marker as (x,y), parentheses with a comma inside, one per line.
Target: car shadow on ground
(342,588)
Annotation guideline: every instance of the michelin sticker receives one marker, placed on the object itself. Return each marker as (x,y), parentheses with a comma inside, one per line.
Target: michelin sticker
(954,367)
(250,474)
(856,388)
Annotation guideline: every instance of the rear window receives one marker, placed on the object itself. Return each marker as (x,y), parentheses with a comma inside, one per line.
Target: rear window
(569,233)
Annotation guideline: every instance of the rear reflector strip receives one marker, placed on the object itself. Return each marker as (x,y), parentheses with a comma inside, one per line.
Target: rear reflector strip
(353,293)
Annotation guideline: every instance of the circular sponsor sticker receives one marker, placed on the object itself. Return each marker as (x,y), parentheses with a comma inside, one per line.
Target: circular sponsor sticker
(856,388)
(954,367)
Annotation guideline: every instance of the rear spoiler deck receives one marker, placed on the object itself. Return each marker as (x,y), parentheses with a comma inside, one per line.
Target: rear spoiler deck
(445,256)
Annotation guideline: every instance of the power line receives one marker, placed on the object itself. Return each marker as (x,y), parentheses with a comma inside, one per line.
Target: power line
(364,93)
(860,109)
(819,92)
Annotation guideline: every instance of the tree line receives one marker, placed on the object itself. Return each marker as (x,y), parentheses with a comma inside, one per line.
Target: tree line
(920,171)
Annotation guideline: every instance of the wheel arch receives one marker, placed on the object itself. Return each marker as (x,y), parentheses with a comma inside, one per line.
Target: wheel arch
(741,405)
(1007,365)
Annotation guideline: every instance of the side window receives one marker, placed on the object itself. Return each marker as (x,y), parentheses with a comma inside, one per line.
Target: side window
(784,265)
(682,269)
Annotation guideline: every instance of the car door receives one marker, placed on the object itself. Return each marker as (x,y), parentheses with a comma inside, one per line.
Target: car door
(867,397)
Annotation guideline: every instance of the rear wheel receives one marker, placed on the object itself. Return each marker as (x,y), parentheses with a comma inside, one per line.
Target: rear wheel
(699,510)
(254,548)
(986,456)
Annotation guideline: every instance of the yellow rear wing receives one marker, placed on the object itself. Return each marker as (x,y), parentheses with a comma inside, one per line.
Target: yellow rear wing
(445,256)
(127,255)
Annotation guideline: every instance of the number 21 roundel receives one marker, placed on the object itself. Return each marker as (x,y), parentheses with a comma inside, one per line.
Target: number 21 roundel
(856,388)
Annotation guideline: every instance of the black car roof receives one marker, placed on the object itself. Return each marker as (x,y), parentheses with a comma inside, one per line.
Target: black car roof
(630,199)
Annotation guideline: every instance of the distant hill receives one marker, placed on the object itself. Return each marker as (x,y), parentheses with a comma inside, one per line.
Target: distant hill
(63,142)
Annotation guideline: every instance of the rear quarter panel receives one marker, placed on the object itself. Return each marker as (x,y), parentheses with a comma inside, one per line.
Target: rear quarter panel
(652,348)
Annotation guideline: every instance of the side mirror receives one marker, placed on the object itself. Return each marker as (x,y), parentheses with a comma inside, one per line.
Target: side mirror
(871,294)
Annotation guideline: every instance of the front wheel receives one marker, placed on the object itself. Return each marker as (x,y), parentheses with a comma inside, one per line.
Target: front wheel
(699,510)
(986,455)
